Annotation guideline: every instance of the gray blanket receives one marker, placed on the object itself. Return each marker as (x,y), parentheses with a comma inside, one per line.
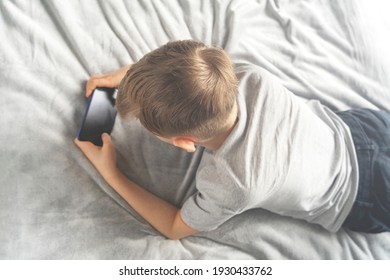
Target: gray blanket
(54,205)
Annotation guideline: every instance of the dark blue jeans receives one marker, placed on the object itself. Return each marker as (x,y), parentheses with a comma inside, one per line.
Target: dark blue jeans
(371,135)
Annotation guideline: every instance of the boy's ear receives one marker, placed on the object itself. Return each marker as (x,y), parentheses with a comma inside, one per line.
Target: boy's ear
(187,143)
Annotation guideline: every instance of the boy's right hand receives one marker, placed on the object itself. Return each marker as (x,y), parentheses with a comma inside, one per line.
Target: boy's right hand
(111,80)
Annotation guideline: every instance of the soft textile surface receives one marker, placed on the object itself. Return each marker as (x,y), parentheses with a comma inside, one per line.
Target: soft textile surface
(54,205)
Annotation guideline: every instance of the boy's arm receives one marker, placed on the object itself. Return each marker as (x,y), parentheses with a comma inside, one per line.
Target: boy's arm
(160,214)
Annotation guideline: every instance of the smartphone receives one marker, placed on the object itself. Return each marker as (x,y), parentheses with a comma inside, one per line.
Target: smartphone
(99,117)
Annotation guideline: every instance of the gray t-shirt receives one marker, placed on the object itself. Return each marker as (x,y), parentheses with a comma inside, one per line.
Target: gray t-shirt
(293,158)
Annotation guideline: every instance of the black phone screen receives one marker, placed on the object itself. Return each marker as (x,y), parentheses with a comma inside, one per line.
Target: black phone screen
(99,116)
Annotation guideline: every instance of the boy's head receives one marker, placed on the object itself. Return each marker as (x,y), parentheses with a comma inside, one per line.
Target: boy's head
(182,88)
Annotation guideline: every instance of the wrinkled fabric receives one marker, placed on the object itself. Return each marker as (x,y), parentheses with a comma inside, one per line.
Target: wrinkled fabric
(53,203)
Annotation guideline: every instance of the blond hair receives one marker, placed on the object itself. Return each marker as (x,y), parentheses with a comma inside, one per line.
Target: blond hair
(181,88)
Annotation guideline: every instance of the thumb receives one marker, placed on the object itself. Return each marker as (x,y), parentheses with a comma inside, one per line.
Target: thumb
(106,138)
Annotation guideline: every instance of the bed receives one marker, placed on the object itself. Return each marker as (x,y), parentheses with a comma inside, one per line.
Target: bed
(53,203)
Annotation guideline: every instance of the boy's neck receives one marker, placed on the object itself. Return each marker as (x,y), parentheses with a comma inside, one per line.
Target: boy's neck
(216,142)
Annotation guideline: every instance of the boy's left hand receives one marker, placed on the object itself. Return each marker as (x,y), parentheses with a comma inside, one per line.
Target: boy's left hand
(103,158)
(160,214)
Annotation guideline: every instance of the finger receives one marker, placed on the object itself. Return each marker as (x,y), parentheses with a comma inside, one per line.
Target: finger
(77,142)
(98,81)
(82,144)
(90,86)
(86,147)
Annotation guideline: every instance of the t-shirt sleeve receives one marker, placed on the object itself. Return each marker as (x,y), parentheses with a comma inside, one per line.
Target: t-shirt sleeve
(216,201)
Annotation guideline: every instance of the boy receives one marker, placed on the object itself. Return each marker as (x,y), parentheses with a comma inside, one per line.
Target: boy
(266,148)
